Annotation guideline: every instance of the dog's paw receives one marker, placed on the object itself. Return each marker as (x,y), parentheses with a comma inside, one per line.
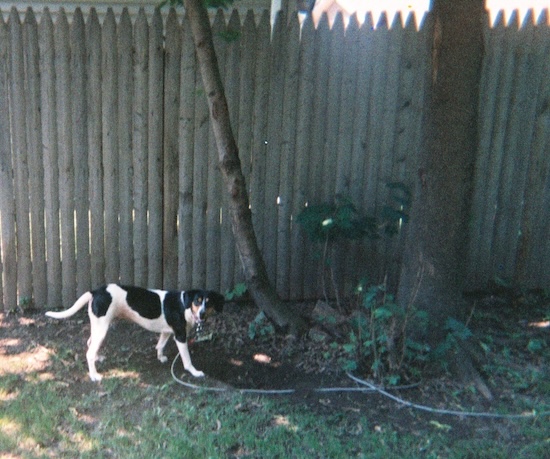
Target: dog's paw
(96,377)
(163,358)
(196,373)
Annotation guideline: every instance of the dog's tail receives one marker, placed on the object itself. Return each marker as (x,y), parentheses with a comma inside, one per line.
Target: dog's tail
(80,303)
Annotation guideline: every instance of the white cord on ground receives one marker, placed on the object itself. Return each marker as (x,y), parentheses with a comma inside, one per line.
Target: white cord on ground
(369,388)
(449,412)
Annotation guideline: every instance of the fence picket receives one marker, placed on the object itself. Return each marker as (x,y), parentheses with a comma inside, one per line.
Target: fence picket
(66,163)
(125,154)
(20,157)
(259,133)
(186,157)
(139,146)
(7,194)
(80,150)
(50,152)
(302,156)
(287,156)
(200,183)
(343,146)
(155,165)
(270,187)
(320,115)
(172,58)
(95,149)
(109,105)
(388,158)
(36,170)
(329,149)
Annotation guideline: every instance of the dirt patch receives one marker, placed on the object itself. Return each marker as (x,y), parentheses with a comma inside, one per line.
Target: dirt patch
(518,376)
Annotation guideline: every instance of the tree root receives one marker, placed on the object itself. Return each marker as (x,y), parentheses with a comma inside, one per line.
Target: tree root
(465,363)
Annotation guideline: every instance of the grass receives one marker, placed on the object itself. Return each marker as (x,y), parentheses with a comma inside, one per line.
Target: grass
(45,419)
(123,418)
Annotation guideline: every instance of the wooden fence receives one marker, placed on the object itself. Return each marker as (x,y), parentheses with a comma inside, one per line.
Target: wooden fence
(108,166)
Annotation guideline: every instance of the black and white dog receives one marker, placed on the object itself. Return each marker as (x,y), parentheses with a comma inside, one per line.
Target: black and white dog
(160,311)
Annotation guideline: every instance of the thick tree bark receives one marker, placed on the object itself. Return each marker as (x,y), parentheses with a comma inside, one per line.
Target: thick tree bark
(255,271)
(434,262)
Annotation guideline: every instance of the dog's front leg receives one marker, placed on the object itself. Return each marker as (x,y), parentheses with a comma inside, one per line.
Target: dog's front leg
(186,358)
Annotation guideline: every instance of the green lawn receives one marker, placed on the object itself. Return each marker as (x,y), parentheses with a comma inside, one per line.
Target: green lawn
(124,418)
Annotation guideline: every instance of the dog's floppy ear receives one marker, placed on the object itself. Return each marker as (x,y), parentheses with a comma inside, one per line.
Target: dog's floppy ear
(215,300)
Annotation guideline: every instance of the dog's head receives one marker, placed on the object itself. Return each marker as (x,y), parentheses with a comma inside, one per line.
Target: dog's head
(199,301)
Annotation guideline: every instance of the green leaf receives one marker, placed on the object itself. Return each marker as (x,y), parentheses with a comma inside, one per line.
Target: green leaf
(393,380)
(349,365)
(382,313)
(349,348)
(536,345)
(238,291)
(458,328)
(376,365)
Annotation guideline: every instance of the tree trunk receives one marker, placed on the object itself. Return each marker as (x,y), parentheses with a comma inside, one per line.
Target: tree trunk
(241,217)
(434,262)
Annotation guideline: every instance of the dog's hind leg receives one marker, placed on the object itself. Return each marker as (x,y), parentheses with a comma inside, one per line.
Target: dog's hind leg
(163,339)
(99,329)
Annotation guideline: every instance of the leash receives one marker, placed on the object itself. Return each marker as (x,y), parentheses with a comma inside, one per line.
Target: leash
(366,387)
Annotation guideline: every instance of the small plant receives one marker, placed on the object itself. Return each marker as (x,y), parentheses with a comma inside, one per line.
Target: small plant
(457,332)
(328,223)
(25,302)
(260,327)
(536,345)
(381,335)
(238,291)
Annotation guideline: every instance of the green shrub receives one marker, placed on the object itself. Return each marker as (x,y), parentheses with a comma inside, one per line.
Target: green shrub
(380,336)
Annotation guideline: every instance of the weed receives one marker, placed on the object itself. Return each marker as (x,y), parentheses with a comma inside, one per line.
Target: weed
(330,222)
(238,291)
(260,327)
(381,336)
(25,302)
(536,345)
